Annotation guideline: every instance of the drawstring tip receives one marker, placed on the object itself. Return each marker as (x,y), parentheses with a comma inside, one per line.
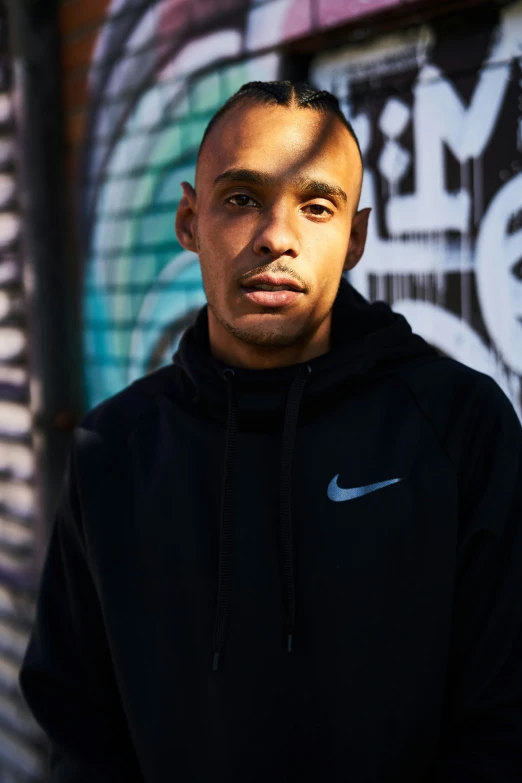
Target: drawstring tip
(215,662)
(289,643)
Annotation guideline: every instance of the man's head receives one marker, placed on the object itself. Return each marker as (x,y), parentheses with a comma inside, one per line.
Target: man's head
(278,181)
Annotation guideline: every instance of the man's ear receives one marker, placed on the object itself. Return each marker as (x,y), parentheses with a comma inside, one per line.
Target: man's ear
(358,236)
(185,223)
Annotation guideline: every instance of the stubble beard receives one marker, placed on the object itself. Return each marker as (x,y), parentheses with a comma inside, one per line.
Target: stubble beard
(262,336)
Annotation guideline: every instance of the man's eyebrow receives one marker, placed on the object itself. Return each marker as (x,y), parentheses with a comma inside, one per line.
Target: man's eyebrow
(244,175)
(305,184)
(323,188)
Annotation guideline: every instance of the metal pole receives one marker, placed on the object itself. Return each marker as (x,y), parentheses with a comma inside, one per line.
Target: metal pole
(51,277)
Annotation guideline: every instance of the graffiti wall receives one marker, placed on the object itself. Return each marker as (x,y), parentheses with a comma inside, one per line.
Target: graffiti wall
(438,113)
(141,288)
(439,118)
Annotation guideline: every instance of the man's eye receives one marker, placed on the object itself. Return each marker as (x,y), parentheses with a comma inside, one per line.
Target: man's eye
(319,210)
(240,200)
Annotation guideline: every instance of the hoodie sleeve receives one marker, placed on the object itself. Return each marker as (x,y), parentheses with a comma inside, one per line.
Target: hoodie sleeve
(481,740)
(66,676)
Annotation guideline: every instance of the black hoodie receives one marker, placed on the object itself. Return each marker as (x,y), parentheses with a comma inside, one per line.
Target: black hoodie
(313,572)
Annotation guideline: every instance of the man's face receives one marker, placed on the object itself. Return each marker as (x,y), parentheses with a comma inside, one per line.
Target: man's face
(276,192)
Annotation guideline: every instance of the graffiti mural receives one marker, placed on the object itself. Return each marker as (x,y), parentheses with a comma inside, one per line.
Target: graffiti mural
(439,119)
(152,104)
(441,131)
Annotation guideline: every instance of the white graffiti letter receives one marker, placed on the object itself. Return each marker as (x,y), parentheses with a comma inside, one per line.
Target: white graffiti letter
(440,117)
(499,288)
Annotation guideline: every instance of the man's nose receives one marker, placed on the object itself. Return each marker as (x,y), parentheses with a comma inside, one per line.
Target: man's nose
(277,236)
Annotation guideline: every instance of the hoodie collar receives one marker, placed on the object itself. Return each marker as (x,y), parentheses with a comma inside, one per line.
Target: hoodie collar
(365,339)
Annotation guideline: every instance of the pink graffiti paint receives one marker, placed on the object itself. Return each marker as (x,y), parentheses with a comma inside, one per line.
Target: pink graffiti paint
(175,14)
(299,19)
(332,12)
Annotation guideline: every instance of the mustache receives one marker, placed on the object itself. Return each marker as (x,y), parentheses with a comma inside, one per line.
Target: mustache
(272,268)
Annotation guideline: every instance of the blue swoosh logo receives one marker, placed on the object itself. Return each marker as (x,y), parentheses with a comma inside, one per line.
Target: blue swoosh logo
(337,494)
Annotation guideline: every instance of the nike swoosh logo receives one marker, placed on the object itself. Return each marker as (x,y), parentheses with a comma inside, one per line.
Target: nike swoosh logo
(337,494)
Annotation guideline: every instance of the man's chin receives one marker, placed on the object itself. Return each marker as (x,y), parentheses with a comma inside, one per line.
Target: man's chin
(265,330)
(265,338)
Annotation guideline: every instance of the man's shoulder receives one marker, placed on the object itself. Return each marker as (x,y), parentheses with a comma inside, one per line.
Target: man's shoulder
(116,416)
(454,396)
(444,372)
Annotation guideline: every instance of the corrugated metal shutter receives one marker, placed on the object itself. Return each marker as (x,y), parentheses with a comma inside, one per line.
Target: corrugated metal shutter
(22,745)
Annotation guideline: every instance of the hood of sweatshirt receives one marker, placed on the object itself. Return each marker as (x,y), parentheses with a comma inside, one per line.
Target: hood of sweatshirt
(367,340)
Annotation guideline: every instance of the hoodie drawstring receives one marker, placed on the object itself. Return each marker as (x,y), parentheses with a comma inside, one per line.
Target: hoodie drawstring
(225,526)
(285,510)
(285,497)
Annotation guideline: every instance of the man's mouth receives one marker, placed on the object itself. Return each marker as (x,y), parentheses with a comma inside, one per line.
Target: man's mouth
(262,287)
(272,282)
(271,296)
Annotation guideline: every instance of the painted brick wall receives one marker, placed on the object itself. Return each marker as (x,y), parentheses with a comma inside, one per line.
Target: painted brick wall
(80,24)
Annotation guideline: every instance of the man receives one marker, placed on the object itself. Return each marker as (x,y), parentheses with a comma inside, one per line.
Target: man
(296,552)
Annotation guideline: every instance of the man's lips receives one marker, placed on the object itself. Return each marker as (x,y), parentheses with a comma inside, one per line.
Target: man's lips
(292,290)
(271,298)
(274,281)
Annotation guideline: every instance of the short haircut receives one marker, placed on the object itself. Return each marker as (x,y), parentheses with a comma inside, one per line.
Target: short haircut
(283,93)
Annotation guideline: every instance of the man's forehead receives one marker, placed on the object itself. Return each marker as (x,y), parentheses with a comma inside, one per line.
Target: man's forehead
(291,142)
